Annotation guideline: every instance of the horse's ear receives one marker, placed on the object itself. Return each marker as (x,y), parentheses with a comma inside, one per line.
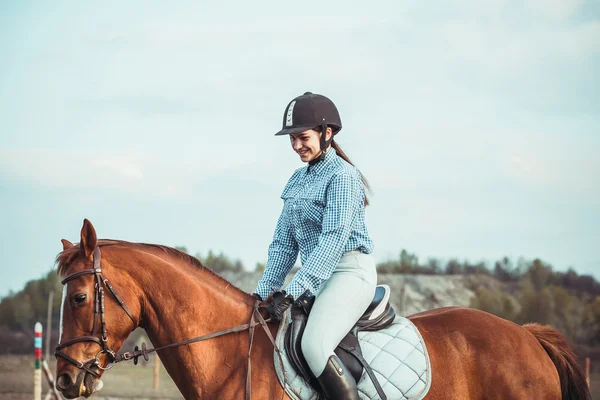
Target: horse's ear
(89,240)
(66,244)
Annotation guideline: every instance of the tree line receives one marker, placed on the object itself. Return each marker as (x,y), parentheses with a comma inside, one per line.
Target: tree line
(522,291)
(525,291)
(21,310)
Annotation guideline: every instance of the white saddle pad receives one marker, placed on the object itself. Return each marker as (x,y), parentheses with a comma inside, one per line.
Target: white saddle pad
(397,355)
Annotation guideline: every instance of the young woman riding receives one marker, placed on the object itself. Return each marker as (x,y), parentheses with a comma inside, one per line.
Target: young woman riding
(323,220)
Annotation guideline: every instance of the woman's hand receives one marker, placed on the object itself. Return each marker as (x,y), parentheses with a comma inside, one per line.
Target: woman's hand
(279,302)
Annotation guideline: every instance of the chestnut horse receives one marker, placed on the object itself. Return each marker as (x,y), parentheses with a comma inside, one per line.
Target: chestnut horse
(474,355)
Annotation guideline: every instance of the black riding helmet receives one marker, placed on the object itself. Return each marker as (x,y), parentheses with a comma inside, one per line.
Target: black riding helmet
(310,111)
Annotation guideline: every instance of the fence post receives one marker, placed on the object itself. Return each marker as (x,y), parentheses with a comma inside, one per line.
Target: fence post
(37,374)
(156,369)
(49,324)
(403,297)
(53,393)
(587,370)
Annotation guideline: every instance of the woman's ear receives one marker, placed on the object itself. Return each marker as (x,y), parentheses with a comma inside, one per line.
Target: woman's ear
(328,134)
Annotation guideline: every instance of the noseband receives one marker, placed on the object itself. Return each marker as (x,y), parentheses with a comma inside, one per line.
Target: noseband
(101,281)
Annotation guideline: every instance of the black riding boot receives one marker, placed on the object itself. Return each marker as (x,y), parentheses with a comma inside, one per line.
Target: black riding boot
(337,382)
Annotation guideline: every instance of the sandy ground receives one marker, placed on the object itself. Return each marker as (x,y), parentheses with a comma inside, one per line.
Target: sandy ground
(124,381)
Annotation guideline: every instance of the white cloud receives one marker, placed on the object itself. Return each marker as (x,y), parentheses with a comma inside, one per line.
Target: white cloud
(128,172)
(507,53)
(520,165)
(74,169)
(123,166)
(579,42)
(554,9)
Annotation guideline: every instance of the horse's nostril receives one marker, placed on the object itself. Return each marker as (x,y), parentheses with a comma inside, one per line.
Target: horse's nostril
(64,382)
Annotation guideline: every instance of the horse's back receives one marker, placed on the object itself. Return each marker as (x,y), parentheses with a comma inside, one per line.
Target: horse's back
(476,355)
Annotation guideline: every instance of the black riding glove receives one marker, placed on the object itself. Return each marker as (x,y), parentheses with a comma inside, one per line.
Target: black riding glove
(280,301)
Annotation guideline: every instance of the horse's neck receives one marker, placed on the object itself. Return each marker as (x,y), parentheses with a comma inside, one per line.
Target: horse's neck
(179,301)
(181,304)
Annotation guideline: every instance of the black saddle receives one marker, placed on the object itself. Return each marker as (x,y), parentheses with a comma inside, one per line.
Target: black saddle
(378,315)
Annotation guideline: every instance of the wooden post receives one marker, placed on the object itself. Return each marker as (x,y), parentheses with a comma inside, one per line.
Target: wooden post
(403,297)
(49,324)
(156,369)
(587,370)
(53,393)
(37,373)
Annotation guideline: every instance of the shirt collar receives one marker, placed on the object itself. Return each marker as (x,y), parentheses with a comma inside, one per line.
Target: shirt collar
(329,157)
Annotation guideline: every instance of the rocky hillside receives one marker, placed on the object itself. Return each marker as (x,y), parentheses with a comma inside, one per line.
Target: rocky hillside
(410,293)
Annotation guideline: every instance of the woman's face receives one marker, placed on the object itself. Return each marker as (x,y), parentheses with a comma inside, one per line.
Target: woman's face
(307,144)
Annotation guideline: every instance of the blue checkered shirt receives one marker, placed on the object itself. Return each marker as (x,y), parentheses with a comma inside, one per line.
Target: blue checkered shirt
(323,217)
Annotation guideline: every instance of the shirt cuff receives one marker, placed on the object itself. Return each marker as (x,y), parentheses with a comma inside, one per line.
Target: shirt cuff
(264,290)
(295,289)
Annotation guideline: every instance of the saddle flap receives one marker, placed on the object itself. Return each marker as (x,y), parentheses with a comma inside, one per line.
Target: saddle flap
(293,343)
(293,340)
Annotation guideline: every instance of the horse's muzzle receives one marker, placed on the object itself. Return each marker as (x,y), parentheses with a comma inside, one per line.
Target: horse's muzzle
(84,385)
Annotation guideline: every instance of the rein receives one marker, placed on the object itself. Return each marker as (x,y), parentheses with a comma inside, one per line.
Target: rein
(136,353)
(143,352)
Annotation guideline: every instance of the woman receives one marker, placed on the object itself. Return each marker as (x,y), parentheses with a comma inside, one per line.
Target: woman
(323,219)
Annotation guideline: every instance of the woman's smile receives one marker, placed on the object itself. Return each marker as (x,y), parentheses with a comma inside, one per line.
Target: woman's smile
(306,144)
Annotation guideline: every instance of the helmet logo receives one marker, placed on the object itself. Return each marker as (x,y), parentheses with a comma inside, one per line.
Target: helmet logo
(288,119)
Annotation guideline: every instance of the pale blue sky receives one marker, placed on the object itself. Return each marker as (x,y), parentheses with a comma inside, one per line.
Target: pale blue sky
(477,124)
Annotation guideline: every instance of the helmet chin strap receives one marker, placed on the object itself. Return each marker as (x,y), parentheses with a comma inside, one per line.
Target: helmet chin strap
(324,144)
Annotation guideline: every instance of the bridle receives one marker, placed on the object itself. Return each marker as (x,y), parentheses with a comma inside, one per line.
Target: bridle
(100,282)
(113,357)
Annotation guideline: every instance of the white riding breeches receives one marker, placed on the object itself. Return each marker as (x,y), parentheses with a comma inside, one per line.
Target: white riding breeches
(339,303)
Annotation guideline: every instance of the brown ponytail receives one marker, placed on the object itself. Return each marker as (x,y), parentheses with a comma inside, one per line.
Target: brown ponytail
(341,153)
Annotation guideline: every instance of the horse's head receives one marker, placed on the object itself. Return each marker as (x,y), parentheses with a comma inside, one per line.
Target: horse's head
(99,309)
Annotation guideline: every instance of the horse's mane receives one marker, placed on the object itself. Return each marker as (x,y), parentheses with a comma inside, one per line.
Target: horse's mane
(66,257)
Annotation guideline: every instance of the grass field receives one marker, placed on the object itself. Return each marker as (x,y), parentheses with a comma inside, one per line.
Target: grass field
(124,381)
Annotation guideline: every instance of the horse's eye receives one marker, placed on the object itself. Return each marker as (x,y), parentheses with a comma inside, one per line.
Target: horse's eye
(80,298)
